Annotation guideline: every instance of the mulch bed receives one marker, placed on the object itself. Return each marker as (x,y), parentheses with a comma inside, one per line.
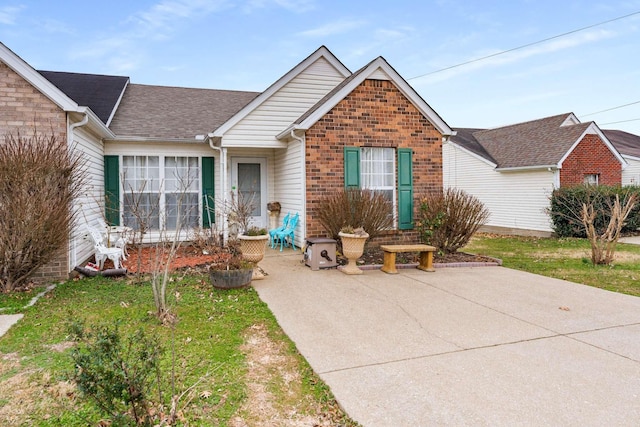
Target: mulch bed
(191,257)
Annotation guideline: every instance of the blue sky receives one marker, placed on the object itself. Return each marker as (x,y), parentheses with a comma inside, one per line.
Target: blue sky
(248,44)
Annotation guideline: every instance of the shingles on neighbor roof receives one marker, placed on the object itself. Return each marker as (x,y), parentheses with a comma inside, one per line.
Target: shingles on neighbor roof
(174,112)
(626,143)
(541,142)
(98,92)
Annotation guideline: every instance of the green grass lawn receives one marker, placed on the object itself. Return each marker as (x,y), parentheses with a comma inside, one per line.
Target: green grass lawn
(567,259)
(221,341)
(209,340)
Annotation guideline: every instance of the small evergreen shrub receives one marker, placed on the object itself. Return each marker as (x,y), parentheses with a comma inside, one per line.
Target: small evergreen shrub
(116,372)
(449,219)
(566,204)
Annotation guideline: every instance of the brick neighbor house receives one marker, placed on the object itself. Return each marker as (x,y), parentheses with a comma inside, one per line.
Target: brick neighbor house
(311,132)
(514,169)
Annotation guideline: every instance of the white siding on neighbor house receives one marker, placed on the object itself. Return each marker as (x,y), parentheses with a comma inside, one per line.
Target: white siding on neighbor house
(290,183)
(515,199)
(631,174)
(91,204)
(260,126)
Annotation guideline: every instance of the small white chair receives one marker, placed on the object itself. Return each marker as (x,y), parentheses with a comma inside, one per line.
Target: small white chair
(102,252)
(117,235)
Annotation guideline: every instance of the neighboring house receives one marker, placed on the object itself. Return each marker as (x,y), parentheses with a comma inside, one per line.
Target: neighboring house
(317,129)
(628,145)
(514,169)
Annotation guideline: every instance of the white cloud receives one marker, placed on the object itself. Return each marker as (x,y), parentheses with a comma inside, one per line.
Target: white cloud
(290,5)
(160,20)
(332,28)
(496,58)
(9,14)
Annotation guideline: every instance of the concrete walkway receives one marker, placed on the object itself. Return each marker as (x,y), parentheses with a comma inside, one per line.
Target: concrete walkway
(7,321)
(462,346)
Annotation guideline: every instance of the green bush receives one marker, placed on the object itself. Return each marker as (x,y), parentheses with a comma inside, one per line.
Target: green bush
(449,219)
(116,372)
(357,208)
(566,204)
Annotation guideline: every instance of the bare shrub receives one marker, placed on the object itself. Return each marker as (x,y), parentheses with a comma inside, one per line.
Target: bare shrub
(449,219)
(603,218)
(357,208)
(40,176)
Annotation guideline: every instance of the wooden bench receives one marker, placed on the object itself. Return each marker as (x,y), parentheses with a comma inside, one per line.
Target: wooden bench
(390,251)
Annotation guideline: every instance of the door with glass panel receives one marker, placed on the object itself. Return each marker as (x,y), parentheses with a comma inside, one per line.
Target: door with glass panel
(249,186)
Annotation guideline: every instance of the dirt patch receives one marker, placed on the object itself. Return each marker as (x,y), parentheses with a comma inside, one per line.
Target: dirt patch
(29,396)
(61,346)
(274,387)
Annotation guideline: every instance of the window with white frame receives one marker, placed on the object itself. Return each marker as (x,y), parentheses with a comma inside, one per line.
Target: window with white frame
(181,184)
(160,191)
(377,171)
(591,179)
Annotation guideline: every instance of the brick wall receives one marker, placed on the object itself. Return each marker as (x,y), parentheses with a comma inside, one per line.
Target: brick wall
(591,156)
(375,114)
(22,109)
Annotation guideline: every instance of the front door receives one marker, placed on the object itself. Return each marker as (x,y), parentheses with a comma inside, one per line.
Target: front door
(249,184)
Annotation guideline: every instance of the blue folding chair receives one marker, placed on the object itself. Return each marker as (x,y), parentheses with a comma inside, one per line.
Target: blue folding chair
(288,234)
(274,231)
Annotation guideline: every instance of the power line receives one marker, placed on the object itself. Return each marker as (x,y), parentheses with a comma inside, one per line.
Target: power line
(621,121)
(526,45)
(610,109)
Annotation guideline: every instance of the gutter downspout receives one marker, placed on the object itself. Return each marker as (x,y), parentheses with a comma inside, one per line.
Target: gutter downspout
(303,174)
(223,184)
(73,258)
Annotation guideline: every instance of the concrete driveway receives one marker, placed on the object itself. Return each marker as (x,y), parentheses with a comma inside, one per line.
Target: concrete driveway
(462,346)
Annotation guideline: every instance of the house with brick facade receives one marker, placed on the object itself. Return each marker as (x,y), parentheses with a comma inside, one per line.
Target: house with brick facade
(318,128)
(514,169)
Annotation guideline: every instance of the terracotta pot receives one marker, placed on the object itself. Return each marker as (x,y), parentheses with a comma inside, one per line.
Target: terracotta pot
(253,249)
(230,279)
(352,249)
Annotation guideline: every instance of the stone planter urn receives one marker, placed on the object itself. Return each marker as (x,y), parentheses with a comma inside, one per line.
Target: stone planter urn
(352,249)
(253,249)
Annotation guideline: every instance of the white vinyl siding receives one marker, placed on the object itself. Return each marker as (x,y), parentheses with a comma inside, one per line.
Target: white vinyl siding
(631,174)
(289,184)
(515,199)
(90,206)
(275,114)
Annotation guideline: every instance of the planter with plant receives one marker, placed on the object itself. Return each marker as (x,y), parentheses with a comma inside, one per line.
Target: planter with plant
(253,244)
(231,270)
(353,241)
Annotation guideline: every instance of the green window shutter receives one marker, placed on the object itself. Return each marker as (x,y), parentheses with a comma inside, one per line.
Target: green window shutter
(405,189)
(351,167)
(112,190)
(208,192)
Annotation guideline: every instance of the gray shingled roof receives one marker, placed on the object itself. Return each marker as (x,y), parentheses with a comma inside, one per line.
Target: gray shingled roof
(541,142)
(464,138)
(98,92)
(626,143)
(175,112)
